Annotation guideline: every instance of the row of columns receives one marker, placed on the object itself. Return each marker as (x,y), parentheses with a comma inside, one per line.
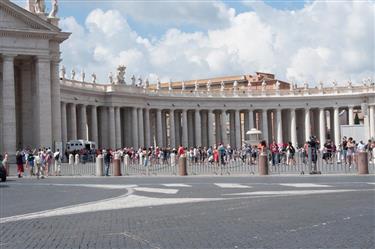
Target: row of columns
(146,131)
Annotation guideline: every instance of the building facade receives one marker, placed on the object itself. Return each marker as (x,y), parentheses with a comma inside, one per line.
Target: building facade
(39,107)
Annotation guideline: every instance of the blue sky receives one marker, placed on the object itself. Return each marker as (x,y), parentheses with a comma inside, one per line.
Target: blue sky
(300,41)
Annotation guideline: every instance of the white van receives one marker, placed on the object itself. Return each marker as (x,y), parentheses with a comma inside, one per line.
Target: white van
(80,144)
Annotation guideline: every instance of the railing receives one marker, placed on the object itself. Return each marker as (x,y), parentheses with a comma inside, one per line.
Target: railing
(240,92)
(335,164)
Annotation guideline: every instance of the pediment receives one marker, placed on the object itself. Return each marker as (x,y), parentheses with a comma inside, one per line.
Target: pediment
(13,17)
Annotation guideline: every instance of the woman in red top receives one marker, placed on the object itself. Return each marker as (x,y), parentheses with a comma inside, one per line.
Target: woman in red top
(216,155)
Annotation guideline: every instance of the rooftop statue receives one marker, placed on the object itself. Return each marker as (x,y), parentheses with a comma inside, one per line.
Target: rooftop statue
(321,85)
(306,86)
(140,82)
(55,9)
(277,85)
(291,87)
(334,83)
(264,85)
(196,86)
(147,84)
(170,85)
(158,85)
(222,86)
(63,72)
(73,74)
(133,80)
(110,77)
(93,77)
(235,84)
(183,86)
(39,6)
(83,75)
(350,84)
(120,77)
(209,86)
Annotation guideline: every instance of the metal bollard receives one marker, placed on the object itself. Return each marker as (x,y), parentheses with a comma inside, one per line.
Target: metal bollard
(263,164)
(362,159)
(99,165)
(173,159)
(71,159)
(76,161)
(116,167)
(182,170)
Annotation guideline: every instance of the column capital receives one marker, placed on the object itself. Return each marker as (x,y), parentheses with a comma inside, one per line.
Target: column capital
(8,57)
(43,58)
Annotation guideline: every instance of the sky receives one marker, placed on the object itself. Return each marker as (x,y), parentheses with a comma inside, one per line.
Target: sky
(299,41)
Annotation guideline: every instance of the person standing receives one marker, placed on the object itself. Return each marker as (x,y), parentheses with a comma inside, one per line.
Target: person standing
(19,161)
(107,161)
(57,164)
(6,163)
(30,162)
(290,150)
(274,153)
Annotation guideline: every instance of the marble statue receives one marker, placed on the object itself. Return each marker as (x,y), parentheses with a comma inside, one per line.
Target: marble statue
(147,84)
(321,85)
(133,80)
(291,87)
(350,84)
(39,6)
(73,74)
(334,83)
(63,72)
(264,84)
(110,77)
(93,76)
(222,86)
(83,75)
(209,86)
(120,77)
(306,86)
(140,82)
(235,85)
(55,9)
(158,85)
(183,86)
(277,85)
(196,86)
(170,85)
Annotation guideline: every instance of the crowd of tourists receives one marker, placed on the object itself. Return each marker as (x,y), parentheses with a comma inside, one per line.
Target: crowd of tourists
(43,162)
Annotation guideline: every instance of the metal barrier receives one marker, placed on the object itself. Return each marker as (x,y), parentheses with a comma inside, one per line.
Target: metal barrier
(333,164)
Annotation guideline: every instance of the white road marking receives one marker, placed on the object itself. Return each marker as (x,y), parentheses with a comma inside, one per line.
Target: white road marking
(122,202)
(231,185)
(157,190)
(297,192)
(305,185)
(372,183)
(102,186)
(176,185)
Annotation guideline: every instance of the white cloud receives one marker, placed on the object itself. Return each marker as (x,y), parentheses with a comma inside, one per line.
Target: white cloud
(323,41)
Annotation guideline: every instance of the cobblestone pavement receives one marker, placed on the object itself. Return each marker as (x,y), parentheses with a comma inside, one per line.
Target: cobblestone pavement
(191,212)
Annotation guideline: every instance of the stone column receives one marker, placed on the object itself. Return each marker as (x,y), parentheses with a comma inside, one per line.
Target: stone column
(293,127)
(172,129)
(237,121)
(83,123)
(94,125)
(147,128)
(55,101)
(336,125)
(198,126)
(73,122)
(322,127)
(140,127)
(265,126)
(371,116)
(43,111)
(279,126)
(118,127)
(351,115)
(184,128)
(112,127)
(224,137)
(251,120)
(135,128)
(9,106)
(307,124)
(159,129)
(210,130)
(64,131)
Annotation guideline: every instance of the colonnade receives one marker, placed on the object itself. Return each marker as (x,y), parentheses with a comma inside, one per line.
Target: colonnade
(116,127)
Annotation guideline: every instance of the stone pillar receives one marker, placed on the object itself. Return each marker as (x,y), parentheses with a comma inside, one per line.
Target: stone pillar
(184,128)
(172,129)
(251,119)
(83,123)
(351,115)
(118,127)
(43,111)
(190,116)
(237,122)
(135,128)
(224,138)
(159,133)
(9,106)
(322,127)
(210,129)
(73,122)
(112,127)
(198,126)
(140,127)
(307,124)
(279,127)
(265,126)
(293,127)
(55,101)
(94,125)
(64,126)
(336,125)
(371,115)
(147,128)
(217,128)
